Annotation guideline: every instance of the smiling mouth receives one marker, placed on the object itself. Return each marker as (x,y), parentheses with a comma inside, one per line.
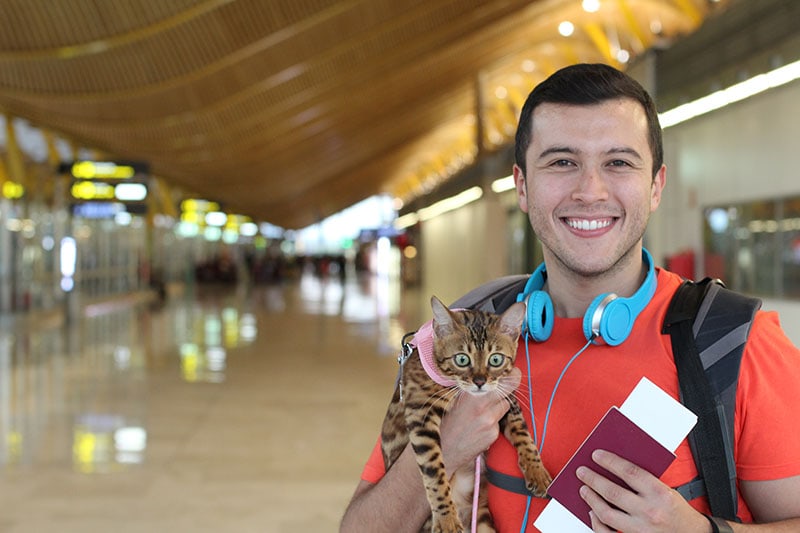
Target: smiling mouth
(584,224)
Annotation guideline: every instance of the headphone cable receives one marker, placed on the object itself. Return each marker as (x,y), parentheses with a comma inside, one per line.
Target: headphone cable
(547,412)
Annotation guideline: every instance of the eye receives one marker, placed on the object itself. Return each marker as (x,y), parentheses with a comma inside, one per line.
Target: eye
(619,163)
(496,359)
(461,360)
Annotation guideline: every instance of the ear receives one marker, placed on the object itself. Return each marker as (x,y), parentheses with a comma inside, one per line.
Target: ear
(442,317)
(522,189)
(659,181)
(511,319)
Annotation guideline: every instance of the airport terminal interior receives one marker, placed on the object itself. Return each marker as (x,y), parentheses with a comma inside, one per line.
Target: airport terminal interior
(230,407)
(219,218)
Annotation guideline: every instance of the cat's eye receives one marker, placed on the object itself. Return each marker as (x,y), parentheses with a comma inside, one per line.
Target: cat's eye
(496,359)
(461,359)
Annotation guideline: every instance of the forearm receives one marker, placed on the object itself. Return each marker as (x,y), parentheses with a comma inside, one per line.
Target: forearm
(397,503)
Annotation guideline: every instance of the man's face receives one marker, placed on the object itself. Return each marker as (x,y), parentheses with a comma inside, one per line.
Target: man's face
(589,191)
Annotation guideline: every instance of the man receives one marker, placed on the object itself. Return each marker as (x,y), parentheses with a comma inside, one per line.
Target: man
(589,172)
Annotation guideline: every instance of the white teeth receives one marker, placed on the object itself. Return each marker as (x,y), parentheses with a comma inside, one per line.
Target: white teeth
(588,225)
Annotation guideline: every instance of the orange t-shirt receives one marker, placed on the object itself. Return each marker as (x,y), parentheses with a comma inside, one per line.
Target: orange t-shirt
(603,376)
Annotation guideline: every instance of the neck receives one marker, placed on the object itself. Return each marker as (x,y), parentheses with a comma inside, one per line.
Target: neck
(572,292)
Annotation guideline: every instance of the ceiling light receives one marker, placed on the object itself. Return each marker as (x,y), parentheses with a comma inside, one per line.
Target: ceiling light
(248,229)
(216,218)
(566,28)
(406,221)
(449,204)
(130,192)
(656,27)
(734,93)
(591,6)
(503,184)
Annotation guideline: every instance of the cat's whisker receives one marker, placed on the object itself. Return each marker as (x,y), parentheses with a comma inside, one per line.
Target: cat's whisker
(507,391)
(521,395)
(447,395)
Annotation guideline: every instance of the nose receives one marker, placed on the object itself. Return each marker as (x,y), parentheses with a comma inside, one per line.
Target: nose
(479,381)
(590,187)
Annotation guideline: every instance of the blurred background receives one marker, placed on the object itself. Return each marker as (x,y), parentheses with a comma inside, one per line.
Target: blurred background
(218,218)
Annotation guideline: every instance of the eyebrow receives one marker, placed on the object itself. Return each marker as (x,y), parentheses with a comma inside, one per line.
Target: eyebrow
(557,150)
(611,151)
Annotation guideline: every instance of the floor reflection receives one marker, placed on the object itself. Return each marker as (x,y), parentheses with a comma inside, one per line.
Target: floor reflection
(79,394)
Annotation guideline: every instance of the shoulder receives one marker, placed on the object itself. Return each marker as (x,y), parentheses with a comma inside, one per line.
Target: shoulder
(766,403)
(494,295)
(769,345)
(668,282)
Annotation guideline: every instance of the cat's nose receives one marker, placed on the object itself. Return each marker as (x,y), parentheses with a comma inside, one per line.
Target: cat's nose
(479,381)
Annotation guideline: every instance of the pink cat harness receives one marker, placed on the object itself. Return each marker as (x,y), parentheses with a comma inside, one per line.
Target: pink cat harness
(423,340)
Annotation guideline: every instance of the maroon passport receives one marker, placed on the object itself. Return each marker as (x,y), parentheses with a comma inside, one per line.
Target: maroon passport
(615,433)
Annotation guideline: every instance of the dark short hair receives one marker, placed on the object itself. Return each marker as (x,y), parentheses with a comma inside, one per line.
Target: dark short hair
(587,84)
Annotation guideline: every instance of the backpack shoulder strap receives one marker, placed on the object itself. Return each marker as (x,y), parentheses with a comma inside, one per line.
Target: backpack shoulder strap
(709,326)
(493,296)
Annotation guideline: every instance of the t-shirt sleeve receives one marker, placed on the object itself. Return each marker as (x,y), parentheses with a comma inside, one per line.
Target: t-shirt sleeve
(375,469)
(768,404)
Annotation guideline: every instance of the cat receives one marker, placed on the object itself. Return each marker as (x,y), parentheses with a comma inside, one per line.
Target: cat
(472,349)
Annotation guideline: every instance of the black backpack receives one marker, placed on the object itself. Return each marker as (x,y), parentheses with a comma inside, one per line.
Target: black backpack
(708,325)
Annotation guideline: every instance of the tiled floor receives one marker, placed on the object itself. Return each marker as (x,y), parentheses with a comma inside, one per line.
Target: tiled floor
(229,409)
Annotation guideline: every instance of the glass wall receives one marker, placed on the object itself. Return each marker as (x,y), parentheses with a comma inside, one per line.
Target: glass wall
(28,260)
(112,256)
(790,247)
(754,247)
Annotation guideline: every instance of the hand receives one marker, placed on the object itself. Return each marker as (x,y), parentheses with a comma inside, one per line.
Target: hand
(472,424)
(650,506)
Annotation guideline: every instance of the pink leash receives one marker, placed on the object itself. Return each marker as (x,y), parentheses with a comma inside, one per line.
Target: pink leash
(475,494)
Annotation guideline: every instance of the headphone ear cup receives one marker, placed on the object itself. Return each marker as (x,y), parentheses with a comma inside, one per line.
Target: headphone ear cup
(539,317)
(617,321)
(609,320)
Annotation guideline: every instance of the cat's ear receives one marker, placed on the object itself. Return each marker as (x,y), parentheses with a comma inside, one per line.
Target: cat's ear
(511,319)
(442,318)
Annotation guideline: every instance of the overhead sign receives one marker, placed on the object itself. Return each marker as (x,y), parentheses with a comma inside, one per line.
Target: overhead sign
(106,209)
(98,190)
(104,170)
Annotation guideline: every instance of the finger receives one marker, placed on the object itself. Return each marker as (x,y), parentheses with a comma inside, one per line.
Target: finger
(597,525)
(606,490)
(636,477)
(604,517)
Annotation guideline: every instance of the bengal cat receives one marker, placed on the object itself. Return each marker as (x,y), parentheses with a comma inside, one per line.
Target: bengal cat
(473,350)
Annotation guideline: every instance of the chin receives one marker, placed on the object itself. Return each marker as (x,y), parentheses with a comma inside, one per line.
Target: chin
(486,389)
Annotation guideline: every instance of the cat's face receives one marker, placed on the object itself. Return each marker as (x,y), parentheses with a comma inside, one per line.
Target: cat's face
(473,348)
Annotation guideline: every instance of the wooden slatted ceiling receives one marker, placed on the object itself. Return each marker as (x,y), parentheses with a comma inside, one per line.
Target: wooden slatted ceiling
(291,110)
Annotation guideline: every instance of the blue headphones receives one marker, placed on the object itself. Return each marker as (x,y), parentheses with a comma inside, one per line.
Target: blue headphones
(609,318)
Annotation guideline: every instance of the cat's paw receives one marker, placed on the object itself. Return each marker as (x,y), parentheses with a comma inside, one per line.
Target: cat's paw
(447,524)
(538,481)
